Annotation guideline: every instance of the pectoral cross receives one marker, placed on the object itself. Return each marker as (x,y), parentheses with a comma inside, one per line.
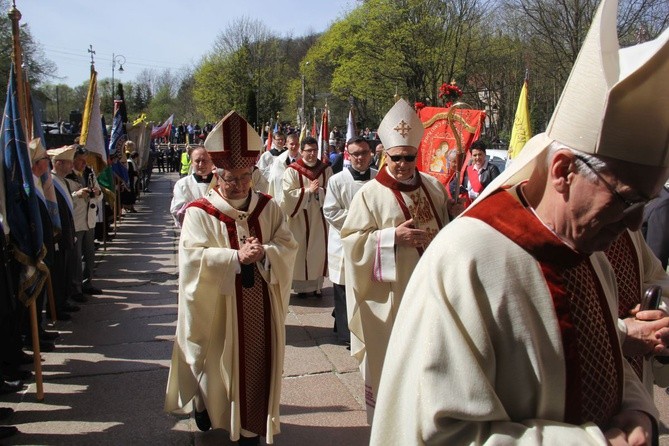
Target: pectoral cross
(243,239)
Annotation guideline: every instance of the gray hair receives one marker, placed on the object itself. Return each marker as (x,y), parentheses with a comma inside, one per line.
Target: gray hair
(595,163)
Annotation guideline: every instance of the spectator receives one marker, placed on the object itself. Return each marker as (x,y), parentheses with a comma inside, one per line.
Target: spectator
(480,173)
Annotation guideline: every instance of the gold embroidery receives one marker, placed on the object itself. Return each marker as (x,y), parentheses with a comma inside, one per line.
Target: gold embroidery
(421,213)
(402,128)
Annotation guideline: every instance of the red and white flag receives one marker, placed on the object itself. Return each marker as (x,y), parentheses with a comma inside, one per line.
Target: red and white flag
(164,130)
(323,137)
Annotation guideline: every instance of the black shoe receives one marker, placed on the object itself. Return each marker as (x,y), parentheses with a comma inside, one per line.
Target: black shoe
(79,298)
(318,293)
(202,420)
(48,335)
(8,387)
(16,374)
(6,412)
(8,431)
(70,308)
(249,441)
(25,358)
(92,290)
(63,316)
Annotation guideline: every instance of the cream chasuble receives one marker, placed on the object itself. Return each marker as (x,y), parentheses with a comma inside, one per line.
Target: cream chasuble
(377,270)
(230,336)
(510,338)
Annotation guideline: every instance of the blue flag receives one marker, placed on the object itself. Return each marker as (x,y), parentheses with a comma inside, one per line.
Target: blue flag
(23,217)
(118,136)
(49,194)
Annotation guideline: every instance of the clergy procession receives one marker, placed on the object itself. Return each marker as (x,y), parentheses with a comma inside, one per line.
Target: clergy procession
(451,292)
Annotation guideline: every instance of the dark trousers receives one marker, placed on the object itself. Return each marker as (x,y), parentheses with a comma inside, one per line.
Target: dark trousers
(61,276)
(340,314)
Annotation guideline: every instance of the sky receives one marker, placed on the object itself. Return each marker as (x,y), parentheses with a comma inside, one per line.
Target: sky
(156,34)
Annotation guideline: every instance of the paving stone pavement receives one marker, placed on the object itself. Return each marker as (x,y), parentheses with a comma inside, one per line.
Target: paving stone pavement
(105,383)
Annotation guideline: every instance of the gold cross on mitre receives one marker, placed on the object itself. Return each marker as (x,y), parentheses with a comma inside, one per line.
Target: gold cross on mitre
(402,128)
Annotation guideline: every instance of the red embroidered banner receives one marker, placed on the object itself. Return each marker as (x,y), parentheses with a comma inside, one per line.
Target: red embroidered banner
(438,140)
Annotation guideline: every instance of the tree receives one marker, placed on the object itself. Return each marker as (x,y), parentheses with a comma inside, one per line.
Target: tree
(37,67)
(384,47)
(246,72)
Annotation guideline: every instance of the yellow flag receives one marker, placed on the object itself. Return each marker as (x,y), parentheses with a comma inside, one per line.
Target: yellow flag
(303,132)
(91,127)
(522,129)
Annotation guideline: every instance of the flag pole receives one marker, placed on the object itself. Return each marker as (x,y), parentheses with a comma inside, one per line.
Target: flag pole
(15,15)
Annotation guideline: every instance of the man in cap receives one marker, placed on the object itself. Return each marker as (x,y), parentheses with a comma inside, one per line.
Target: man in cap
(304,185)
(192,187)
(85,193)
(342,187)
(515,301)
(40,166)
(236,259)
(391,221)
(67,282)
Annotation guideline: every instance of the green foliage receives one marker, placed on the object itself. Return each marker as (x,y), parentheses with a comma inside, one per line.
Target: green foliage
(36,66)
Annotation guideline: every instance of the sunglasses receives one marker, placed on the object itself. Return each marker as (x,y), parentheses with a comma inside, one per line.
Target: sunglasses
(398,158)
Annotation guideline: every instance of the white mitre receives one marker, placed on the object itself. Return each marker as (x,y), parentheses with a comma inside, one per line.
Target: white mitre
(401,126)
(613,105)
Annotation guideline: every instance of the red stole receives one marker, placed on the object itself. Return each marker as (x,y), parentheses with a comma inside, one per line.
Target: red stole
(473,177)
(254,322)
(626,265)
(310,172)
(397,188)
(593,361)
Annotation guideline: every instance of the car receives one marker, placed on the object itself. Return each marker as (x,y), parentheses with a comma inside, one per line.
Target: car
(497,157)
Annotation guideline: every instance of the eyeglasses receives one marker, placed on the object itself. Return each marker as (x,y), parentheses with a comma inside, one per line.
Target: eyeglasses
(398,158)
(309,150)
(628,205)
(244,179)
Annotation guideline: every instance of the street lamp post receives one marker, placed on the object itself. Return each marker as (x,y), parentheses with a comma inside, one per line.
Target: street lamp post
(302,113)
(121,60)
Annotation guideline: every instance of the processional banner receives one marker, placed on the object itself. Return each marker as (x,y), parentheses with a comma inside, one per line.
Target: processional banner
(447,130)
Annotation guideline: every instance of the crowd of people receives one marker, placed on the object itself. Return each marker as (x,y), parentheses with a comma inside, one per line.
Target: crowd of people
(506,311)
(69,259)
(73,226)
